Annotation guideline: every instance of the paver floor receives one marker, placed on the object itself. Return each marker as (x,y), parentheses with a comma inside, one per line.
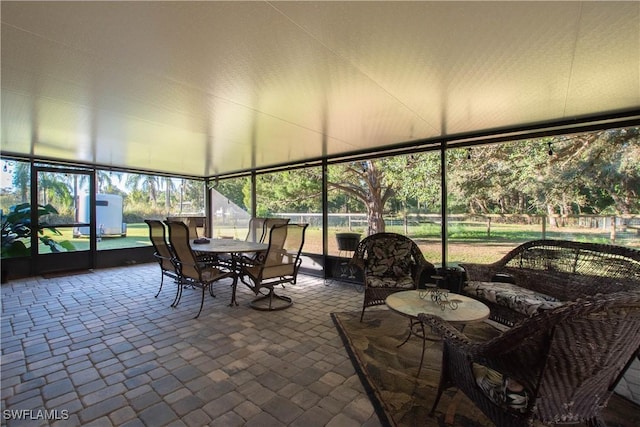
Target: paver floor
(98,349)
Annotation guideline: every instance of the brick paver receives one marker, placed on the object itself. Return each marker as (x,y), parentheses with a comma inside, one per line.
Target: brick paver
(99,349)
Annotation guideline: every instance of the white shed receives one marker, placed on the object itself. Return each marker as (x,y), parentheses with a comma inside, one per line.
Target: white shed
(108,215)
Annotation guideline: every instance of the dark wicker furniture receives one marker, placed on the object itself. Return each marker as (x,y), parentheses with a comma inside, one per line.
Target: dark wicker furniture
(568,360)
(564,270)
(390,263)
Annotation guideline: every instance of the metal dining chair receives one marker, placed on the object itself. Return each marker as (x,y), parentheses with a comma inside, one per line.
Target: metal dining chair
(269,223)
(163,253)
(256,229)
(191,271)
(278,266)
(193,228)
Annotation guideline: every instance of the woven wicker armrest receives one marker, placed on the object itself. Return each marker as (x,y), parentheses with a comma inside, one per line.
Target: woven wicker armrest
(448,332)
(357,262)
(480,272)
(476,350)
(550,367)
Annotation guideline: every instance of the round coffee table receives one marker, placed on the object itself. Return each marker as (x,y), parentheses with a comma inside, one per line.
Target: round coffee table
(411,303)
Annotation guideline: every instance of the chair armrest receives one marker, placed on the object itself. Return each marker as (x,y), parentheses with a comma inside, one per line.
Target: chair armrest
(357,262)
(422,266)
(254,258)
(491,353)
(186,264)
(479,272)
(449,333)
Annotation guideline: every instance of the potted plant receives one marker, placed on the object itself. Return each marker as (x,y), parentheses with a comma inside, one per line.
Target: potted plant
(16,230)
(348,241)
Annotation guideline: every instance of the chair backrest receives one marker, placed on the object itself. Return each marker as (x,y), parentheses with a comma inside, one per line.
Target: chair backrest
(157,235)
(390,255)
(268,225)
(573,356)
(581,258)
(283,255)
(179,239)
(256,229)
(193,227)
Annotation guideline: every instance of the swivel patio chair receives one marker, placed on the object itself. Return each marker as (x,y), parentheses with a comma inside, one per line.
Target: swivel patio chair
(255,232)
(163,253)
(193,227)
(191,271)
(390,263)
(278,266)
(201,257)
(560,366)
(269,223)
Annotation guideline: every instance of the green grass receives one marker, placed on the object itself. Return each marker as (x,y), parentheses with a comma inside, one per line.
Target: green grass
(468,241)
(137,236)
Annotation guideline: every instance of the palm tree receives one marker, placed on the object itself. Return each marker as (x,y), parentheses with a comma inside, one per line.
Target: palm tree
(146,183)
(169,187)
(105,179)
(22,180)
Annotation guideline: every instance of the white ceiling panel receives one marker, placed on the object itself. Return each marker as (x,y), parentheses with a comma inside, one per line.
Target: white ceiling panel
(205,88)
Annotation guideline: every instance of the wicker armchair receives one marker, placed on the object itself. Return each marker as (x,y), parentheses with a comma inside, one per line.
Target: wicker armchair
(390,263)
(558,367)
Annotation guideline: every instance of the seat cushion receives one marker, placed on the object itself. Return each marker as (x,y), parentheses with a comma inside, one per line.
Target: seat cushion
(404,282)
(503,391)
(522,300)
(390,265)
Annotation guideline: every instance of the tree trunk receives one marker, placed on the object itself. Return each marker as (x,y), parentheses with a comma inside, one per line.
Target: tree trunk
(375,199)
(550,214)
(167,196)
(375,215)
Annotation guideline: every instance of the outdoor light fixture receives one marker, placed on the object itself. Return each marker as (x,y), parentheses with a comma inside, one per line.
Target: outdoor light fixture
(469,153)
(550,149)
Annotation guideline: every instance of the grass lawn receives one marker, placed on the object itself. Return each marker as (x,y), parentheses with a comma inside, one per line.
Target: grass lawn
(137,235)
(468,242)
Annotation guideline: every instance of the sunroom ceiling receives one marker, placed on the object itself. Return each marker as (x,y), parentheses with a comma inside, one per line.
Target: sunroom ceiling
(207,88)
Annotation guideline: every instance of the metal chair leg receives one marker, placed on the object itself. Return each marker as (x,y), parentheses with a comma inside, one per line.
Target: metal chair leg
(161,281)
(201,302)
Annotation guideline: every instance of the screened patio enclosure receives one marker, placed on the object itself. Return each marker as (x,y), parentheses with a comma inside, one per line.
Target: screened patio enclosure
(219,102)
(443,199)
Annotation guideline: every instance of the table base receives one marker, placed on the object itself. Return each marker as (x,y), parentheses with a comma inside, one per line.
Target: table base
(417,329)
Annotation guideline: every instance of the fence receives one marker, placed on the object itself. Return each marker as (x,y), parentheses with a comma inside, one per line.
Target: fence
(597,223)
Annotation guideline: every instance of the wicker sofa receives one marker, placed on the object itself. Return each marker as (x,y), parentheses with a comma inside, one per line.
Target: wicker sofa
(543,274)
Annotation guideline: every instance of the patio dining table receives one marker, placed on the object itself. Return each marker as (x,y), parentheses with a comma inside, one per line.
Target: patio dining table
(231,247)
